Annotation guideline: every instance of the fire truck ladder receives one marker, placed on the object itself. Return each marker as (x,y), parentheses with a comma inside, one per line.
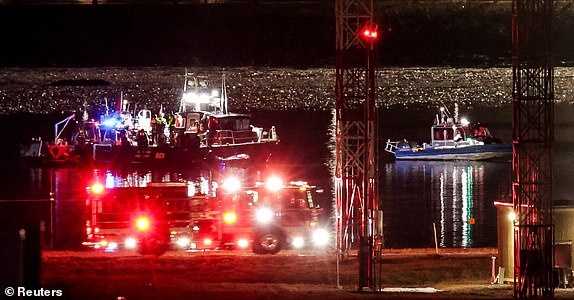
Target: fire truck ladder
(533,135)
(356,168)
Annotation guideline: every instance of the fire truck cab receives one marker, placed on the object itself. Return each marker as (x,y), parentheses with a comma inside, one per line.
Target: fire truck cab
(271,216)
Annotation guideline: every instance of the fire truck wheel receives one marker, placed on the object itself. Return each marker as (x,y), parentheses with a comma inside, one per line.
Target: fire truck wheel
(153,247)
(269,242)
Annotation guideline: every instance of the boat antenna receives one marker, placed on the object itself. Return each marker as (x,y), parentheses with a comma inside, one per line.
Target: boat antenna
(181,103)
(223,98)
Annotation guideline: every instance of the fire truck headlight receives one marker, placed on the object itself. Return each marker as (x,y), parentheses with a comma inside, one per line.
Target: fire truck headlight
(320,237)
(242,243)
(183,242)
(231,185)
(112,246)
(264,215)
(298,242)
(130,243)
(274,183)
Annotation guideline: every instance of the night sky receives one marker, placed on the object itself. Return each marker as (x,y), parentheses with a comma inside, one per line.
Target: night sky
(279,34)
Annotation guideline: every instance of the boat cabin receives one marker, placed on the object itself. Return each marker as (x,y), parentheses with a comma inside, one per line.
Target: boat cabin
(450,133)
(447,134)
(226,129)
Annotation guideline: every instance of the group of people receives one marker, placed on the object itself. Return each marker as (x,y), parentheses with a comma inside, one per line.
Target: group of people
(169,130)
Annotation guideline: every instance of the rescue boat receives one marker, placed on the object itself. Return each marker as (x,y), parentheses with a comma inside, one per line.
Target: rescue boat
(202,129)
(452,139)
(57,152)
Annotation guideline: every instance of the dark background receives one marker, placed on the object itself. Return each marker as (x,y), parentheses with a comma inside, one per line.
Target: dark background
(414,33)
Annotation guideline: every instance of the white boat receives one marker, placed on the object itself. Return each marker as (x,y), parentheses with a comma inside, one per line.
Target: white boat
(452,139)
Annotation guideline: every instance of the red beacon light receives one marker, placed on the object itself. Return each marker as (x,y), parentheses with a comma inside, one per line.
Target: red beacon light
(370,33)
(143,223)
(229,217)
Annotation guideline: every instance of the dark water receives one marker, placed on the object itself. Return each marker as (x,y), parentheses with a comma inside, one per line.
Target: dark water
(456,198)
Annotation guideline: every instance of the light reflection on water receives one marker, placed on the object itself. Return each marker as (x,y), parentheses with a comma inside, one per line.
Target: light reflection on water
(456,198)
(252,88)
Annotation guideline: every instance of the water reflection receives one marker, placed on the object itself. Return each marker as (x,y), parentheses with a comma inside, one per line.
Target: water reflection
(456,198)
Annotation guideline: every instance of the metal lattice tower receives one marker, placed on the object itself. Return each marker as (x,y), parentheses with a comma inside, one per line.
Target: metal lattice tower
(533,135)
(355,182)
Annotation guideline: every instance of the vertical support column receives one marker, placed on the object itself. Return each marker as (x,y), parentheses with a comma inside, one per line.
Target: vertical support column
(533,136)
(355,174)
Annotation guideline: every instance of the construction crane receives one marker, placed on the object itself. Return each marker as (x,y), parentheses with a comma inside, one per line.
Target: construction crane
(532,138)
(359,219)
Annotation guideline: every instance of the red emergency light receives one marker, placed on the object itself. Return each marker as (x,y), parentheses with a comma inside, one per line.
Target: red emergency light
(97,188)
(229,217)
(143,223)
(370,32)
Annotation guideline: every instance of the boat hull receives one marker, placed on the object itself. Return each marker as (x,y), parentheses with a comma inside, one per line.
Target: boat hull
(478,152)
(168,156)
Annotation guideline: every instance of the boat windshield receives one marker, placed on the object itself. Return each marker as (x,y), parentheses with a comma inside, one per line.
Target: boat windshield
(235,123)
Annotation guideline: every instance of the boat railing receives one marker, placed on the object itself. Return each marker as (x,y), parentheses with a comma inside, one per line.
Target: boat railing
(444,143)
(256,135)
(392,146)
(224,137)
(228,137)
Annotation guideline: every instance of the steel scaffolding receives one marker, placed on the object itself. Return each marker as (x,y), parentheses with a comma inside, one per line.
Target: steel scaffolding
(533,135)
(359,220)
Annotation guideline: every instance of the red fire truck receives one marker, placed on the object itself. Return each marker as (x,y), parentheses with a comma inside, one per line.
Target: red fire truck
(271,216)
(152,219)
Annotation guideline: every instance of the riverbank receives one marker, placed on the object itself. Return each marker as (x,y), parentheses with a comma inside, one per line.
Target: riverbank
(453,273)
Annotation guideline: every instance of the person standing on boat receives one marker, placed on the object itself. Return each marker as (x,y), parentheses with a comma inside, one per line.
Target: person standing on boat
(142,141)
(170,123)
(153,125)
(212,127)
(160,127)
